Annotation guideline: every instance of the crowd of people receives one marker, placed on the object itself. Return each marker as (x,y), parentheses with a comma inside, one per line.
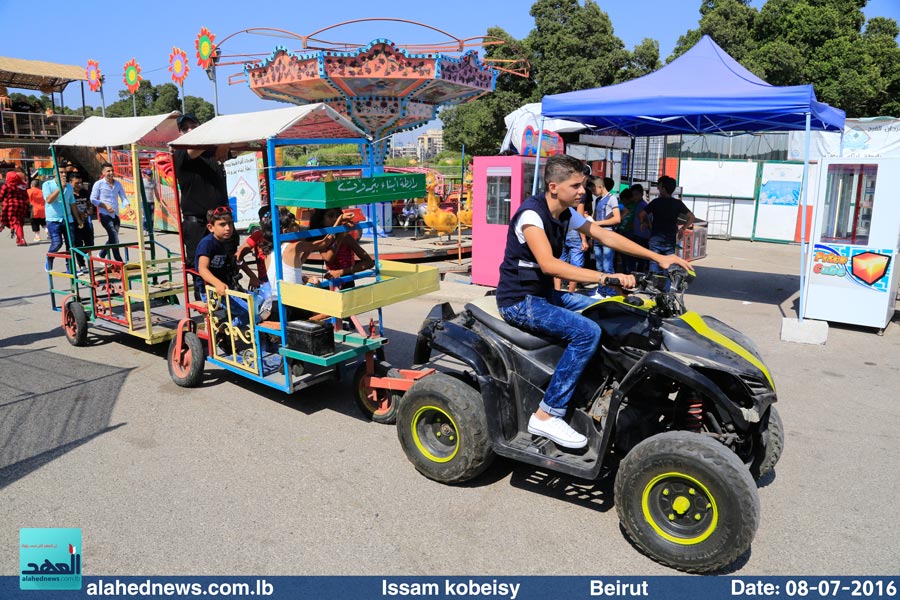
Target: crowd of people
(654,225)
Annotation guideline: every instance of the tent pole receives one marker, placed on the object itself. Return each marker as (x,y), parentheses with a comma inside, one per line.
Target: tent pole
(803,241)
(537,158)
(631,162)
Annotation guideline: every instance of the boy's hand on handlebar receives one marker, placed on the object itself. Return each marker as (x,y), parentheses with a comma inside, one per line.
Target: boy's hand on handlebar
(621,280)
(667,261)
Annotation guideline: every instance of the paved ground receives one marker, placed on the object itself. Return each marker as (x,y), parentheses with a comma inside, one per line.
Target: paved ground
(232,478)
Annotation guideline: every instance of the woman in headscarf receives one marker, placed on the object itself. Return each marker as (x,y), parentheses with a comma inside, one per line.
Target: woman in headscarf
(14,200)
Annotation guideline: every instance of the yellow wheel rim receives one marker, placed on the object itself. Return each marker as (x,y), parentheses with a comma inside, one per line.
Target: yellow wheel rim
(435,434)
(679,508)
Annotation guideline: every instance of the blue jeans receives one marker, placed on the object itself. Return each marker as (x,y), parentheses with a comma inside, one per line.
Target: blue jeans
(605,258)
(111,225)
(572,252)
(57,231)
(557,318)
(661,244)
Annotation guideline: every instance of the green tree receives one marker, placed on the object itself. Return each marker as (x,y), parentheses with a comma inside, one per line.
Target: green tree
(854,65)
(574,47)
(729,22)
(644,59)
(479,124)
(156,100)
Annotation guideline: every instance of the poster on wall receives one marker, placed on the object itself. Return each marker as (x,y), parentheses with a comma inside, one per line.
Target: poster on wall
(242,176)
(780,184)
(852,267)
(778,201)
(551,143)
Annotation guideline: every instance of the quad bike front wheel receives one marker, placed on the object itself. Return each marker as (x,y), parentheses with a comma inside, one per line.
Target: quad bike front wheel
(186,368)
(772,442)
(382,408)
(75,323)
(687,501)
(443,429)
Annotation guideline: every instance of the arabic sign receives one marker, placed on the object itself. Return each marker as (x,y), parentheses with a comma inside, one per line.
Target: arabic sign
(350,192)
(49,559)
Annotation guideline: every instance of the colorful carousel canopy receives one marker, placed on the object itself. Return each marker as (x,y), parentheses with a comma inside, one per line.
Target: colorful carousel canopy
(381,88)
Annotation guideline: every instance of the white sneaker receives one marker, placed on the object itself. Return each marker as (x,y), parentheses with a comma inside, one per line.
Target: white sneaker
(557,430)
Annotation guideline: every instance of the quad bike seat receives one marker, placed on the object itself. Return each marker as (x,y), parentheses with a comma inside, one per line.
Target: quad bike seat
(484,310)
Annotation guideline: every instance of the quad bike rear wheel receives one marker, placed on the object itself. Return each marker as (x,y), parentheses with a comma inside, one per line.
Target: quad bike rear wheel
(384,409)
(772,440)
(443,429)
(687,501)
(75,323)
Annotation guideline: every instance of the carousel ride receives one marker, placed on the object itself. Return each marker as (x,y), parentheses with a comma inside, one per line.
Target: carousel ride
(381,86)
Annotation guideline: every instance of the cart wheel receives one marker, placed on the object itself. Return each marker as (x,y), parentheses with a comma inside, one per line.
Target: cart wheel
(75,324)
(187,369)
(385,409)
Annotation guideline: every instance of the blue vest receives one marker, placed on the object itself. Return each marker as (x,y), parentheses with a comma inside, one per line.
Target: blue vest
(520,274)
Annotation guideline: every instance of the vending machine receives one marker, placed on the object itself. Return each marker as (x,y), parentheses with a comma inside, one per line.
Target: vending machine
(851,275)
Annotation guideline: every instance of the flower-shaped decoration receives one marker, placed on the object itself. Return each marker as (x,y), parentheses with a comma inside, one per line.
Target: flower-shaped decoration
(178,65)
(132,76)
(93,75)
(206,49)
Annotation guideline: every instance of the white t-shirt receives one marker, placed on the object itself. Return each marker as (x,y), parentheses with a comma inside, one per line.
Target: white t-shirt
(531,217)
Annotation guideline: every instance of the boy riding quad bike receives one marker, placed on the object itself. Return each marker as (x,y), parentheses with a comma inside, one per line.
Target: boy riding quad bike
(678,405)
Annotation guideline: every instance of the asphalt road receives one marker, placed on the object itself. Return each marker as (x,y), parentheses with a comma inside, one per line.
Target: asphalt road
(234,478)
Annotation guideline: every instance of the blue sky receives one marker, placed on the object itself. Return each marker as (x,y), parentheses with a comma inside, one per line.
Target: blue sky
(114,32)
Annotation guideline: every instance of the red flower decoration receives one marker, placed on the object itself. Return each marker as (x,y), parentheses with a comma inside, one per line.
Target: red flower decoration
(132,76)
(206,48)
(178,65)
(95,79)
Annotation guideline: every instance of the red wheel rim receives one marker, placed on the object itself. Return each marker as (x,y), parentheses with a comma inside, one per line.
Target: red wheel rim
(71,326)
(182,367)
(376,406)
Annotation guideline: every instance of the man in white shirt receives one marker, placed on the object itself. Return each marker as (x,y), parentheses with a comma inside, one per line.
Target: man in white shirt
(105,195)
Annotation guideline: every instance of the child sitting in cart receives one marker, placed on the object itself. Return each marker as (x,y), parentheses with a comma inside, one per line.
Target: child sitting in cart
(214,263)
(341,258)
(293,256)
(252,245)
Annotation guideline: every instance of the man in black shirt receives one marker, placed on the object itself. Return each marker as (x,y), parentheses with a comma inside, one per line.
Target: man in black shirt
(666,209)
(201,181)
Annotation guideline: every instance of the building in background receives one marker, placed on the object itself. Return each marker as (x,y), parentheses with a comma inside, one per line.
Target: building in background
(404,150)
(429,144)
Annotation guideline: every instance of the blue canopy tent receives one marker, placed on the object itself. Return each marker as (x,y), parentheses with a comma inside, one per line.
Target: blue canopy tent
(702,91)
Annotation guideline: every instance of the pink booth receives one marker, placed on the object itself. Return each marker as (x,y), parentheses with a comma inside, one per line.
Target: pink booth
(500,185)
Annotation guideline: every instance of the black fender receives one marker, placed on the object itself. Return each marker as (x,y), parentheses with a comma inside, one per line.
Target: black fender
(680,368)
(467,346)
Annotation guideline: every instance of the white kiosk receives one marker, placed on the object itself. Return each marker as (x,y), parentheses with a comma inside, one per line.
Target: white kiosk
(851,275)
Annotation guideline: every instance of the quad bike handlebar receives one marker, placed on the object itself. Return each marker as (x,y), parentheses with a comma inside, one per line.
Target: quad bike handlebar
(666,289)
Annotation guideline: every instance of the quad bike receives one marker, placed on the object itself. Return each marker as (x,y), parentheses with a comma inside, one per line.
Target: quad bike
(679,406)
